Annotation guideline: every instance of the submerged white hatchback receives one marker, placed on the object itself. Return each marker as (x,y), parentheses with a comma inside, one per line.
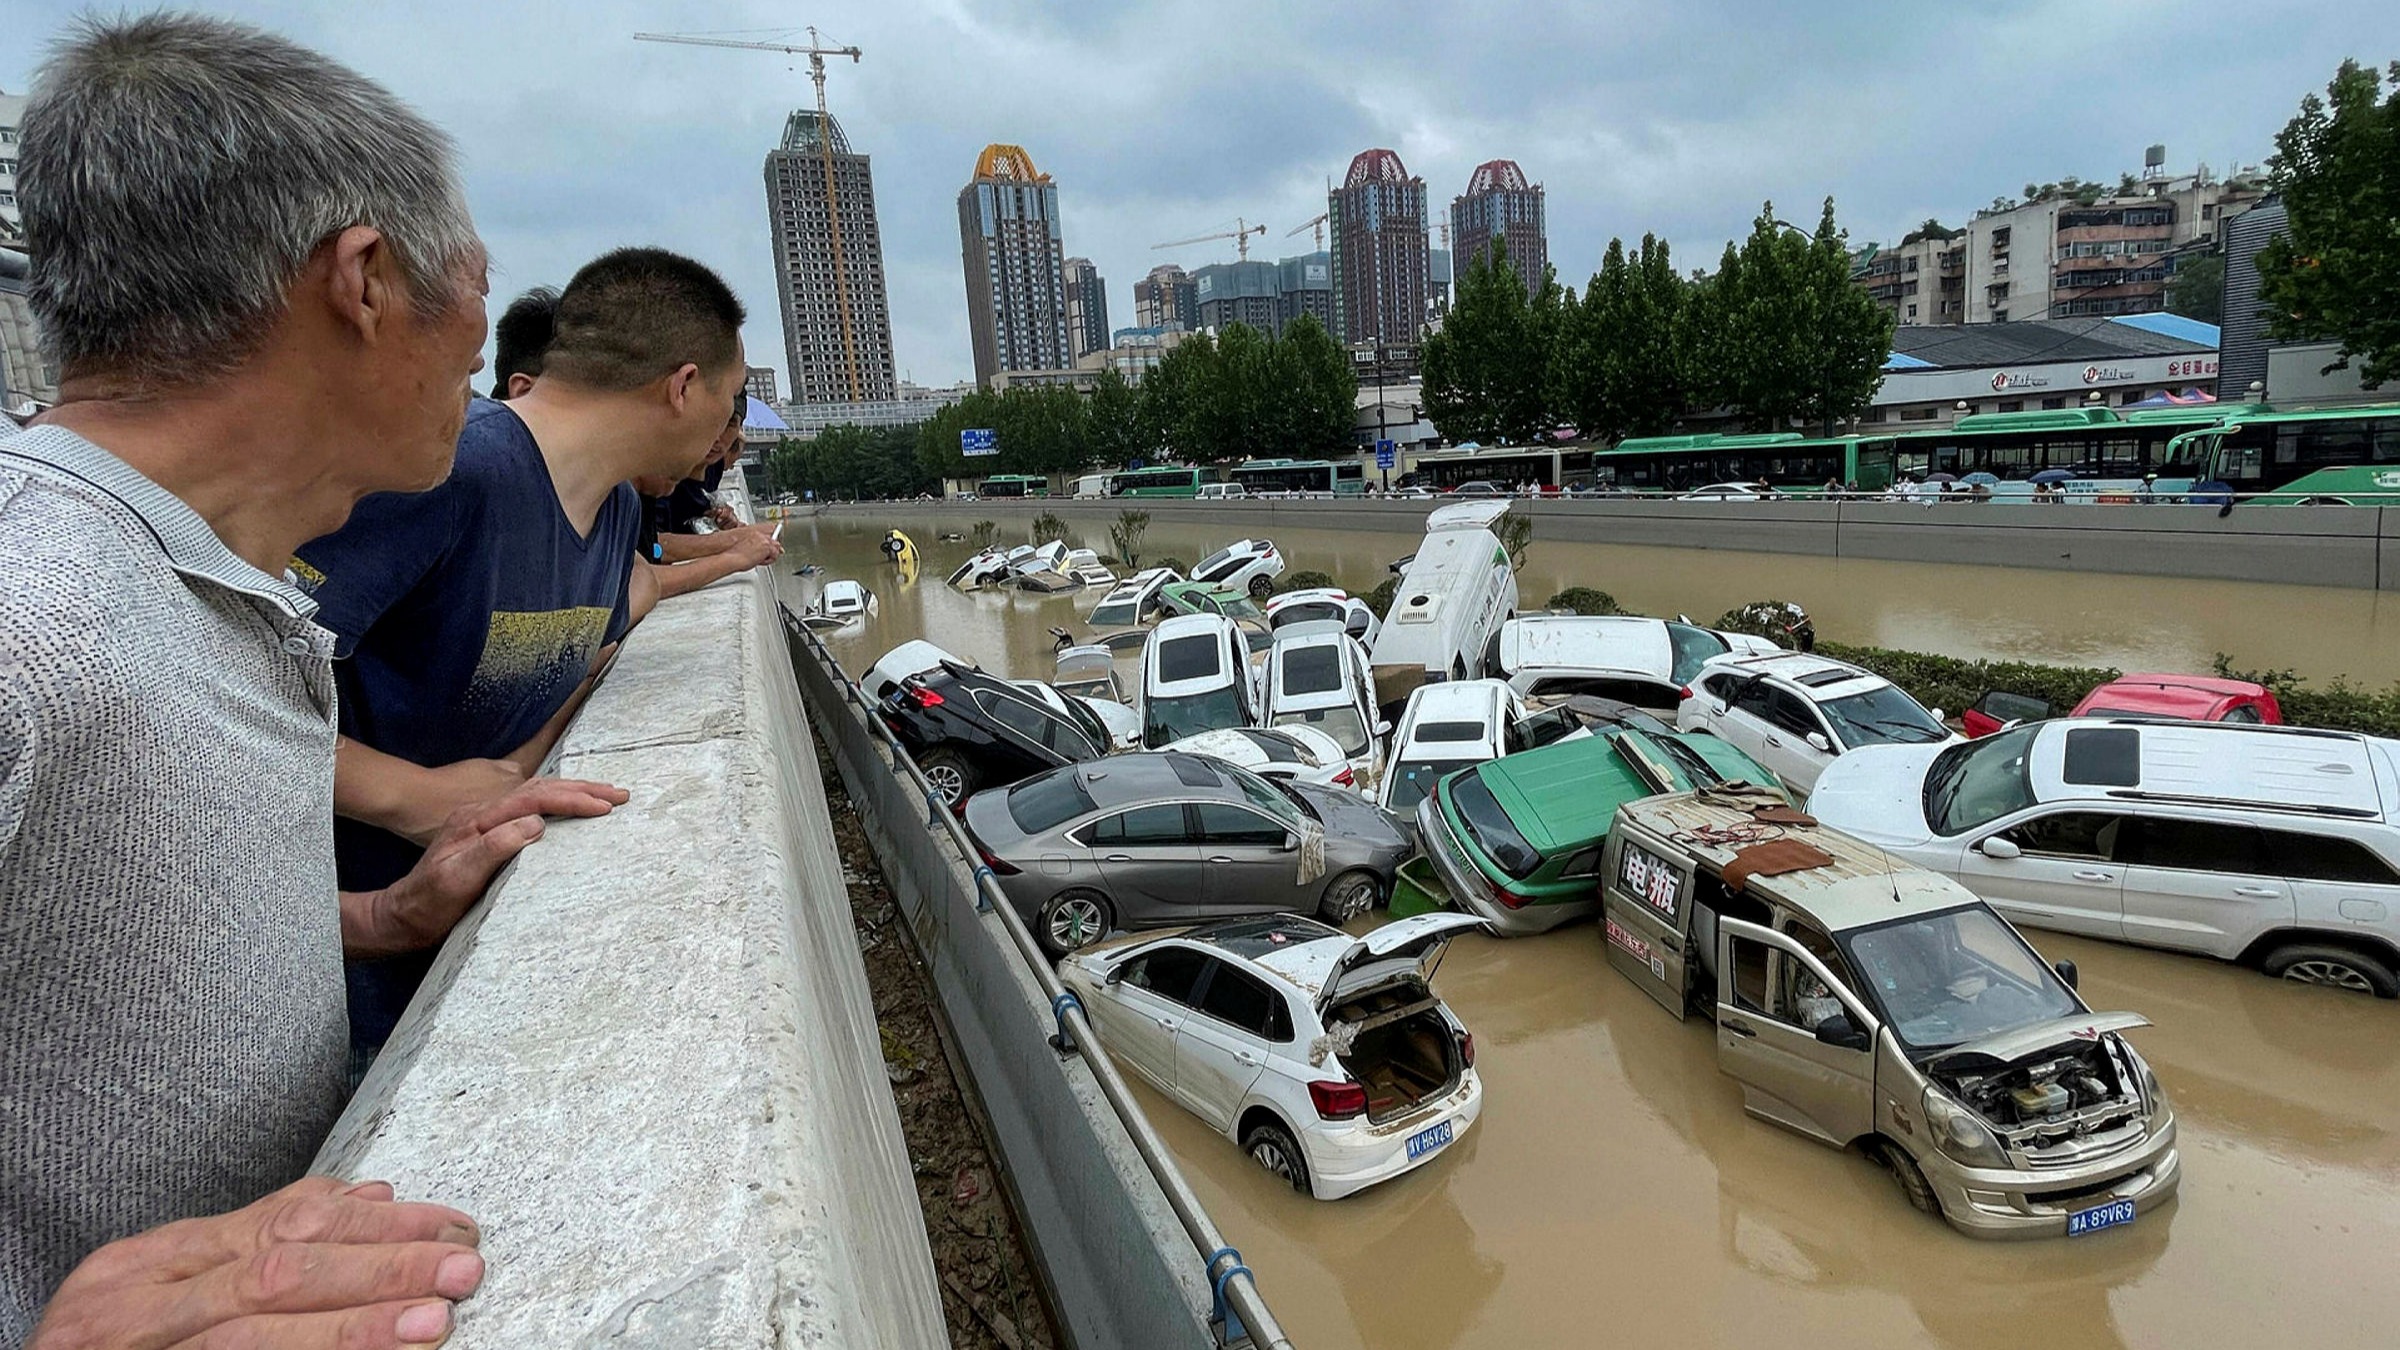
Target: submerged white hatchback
(1326,1057)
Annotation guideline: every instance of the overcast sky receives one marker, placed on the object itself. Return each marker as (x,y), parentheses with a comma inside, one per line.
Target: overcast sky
(1163,120)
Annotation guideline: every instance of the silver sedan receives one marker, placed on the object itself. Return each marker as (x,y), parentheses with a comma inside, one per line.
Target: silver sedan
(1141,841)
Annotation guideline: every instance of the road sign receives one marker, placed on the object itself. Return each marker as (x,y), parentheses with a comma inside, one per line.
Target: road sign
(1387,453)
(978,441)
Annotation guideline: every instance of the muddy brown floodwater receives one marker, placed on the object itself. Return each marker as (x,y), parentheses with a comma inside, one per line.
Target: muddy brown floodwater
(1614,1193)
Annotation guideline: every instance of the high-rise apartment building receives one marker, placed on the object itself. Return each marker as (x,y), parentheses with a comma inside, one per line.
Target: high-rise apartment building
(1166,299)
(1500,204)
(1240,292)
(1087,308)
(1380,251)
(1009,238)
(759,383)
(12,116)
(837,323)
(1304,285)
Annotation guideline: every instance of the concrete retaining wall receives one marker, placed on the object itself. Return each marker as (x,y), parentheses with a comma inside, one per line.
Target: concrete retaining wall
(648,1062)
(2308,546)
(1122,1271)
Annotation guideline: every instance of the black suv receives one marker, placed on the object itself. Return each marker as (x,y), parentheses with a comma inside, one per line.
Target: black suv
(969,731)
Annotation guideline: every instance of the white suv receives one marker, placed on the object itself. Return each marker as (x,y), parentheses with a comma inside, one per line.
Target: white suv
(1796,713)
(1243,565)
(2267,845)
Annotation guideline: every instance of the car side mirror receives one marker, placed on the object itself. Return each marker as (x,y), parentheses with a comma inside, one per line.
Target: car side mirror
(1291,841)
(1817,742)
(2066,971)
(1837,1031)
(1383,728)
(1999,848)
(1937,713)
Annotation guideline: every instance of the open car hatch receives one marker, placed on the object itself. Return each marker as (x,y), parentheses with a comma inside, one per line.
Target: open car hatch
(2025,1040)
(1408,949)
(1468,515)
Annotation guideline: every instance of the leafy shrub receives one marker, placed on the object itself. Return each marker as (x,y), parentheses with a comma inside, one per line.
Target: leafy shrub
(1769,619)
(1952,683)
(1380,599)
(984,533)
(1126,535)
(2340,705)
(1305,581)
(1515,534)
(1176,565)
(1048,528)
(1585,600)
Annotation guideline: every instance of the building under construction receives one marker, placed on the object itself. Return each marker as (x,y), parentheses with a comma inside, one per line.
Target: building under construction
(837,323)
(1010,242)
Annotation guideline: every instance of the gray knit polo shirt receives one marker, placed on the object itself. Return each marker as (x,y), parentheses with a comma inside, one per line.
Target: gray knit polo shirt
(171,1024)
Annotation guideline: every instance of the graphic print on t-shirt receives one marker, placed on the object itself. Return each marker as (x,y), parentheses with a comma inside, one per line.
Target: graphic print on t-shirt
(528,656)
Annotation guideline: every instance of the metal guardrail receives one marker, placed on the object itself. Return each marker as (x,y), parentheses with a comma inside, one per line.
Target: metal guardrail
(1241,1316)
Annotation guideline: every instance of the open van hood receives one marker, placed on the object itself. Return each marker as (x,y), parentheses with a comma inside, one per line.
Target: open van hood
(1410,948)
(1470,515)
(2025,1040)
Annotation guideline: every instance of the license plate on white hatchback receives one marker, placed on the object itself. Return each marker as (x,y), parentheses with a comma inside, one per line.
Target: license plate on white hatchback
(2114,1214)
(1427,1140)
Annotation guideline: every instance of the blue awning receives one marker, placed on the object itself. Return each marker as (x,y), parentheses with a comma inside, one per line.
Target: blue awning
(763,418)
(2172,325)
(1903,361)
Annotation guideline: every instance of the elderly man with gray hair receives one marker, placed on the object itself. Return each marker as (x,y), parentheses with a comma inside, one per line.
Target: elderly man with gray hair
(259,277)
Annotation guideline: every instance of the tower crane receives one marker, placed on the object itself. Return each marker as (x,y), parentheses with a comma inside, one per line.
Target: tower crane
(1239,234)
(1317,225)
(816,51)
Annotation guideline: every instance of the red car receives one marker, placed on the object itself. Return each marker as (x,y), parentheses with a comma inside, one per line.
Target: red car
(2189,698)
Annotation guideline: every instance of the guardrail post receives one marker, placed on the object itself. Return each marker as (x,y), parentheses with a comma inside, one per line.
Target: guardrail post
(1063,1040)
(1223,1320)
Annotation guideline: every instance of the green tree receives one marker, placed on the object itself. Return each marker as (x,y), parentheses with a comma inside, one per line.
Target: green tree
(1794,338)
(1487,370)
(1311,373)
(1113,422)
(2336,275)
(2197,290)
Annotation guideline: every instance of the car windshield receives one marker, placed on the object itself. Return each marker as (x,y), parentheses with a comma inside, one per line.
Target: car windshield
(1449,731)
(1304,613)
(1490,827)
(1235,605)
(1189,658)
(1171,719)
(1413,780)
(1044,803)
(1116,612)
(1699,771)
(1882,716)
(1693,646)
(1957,976)
(1343,724)
(1312,670)
(1207,570)
(1972,784)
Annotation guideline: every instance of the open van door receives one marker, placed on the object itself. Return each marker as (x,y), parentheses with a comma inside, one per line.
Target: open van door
(1801,1045)
(1645,916)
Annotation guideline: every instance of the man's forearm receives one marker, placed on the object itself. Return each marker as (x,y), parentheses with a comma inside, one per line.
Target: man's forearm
(675,548)
(684,578)
(376,788)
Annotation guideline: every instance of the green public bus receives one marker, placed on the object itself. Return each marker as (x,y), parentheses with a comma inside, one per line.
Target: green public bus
(1301,477)
(1169,480)
(1550,467)
(1013,485)
(2090,453)
(2321,457)
(1785,461)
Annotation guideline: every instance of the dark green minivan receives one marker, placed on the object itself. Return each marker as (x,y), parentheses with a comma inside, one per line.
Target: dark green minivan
(1518,839)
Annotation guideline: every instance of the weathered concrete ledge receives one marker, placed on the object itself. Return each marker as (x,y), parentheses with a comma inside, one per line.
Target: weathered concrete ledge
(2304,546)
(648,1063)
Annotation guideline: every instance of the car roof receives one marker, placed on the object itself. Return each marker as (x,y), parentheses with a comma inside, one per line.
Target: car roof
(1567,793)
(1124,780)
(2172,694)
(2234,763)
(1451,700)
(1819,677)
(1862,886)
(1310,595)
(1581,641)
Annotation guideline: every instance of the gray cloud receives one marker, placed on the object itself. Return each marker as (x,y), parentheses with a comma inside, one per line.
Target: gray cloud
(1162,120)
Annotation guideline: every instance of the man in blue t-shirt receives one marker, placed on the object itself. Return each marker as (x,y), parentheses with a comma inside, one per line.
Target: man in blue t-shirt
(470,618)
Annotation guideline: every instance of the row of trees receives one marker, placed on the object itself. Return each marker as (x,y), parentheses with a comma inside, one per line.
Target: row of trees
(1778,334)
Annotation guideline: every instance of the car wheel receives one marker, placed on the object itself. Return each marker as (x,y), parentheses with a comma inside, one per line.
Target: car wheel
(2333,967)
(1914,1188)
(1261,587)
(1072,920)
(1348,896)
(950,773)
(1272,1147)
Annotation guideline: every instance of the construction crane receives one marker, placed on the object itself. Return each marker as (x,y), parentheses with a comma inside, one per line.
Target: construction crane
(1239,234)
(1317,225)
(816,51)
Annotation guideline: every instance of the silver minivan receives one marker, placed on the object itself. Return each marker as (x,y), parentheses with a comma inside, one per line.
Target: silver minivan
(1874,1005)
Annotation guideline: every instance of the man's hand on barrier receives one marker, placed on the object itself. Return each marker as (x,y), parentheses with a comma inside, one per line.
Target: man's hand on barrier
(420,909)
(321,1263)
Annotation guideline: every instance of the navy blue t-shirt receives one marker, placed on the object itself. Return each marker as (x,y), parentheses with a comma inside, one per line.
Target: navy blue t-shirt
(463,618)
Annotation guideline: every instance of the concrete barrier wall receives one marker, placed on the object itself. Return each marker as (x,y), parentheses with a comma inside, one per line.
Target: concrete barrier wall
(1122,1271)
(648,1062)
(2308,546)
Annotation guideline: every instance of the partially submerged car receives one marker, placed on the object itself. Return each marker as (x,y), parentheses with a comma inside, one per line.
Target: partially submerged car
(1645,662)
(1796,713)
(2170,698)
(1134,600)
(1317,680)
(1088,671)
(968,730)
(1300,754)
(981,569)
(840,601)
(1870,1004)
(1518,839)
(1325,603)
(1457,724)
(1327,1058)
(1454,593)
(1196,676)
(1249,565)
(1201,597)
(1148,840)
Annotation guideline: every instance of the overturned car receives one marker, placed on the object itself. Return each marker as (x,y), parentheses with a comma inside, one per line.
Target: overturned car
(1873,1005)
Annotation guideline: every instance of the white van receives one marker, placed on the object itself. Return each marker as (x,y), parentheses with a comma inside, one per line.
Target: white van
(1220,492)
(1446,614)
(1092,485)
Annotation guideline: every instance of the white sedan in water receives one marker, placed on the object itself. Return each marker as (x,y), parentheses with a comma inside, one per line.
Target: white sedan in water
(1298,754)
(1326,1057)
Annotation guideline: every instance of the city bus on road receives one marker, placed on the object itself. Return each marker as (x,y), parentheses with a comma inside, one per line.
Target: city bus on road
(1550,467)
(2090,453)
(1786,461)
(2322,456)
(1013,485)
(1167,480)
(1301,477)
